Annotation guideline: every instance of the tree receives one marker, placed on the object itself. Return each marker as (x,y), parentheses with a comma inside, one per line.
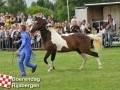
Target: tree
(2,5)
(46,4)
(33,3)
(61,10)
(38,9)
(15,6)
(40,3)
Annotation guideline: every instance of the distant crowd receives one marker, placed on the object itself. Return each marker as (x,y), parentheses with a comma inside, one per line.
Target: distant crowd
(9,28)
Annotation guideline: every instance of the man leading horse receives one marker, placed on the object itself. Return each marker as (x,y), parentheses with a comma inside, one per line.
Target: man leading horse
(25,51)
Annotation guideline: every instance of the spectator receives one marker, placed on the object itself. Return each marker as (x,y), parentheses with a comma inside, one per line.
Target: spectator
(7,14)
(95,25)
(53,19)
(73,19)
(79,23)
(66,27)
(84,27)
(19,18)
(43,17)
(33,17)
(12,19)
(49,19)
(40,15)
(7,22)
(6,37)
(22,16)
(2,18)
(75,28)
(13,30)
(94,31)
(38,39)
(109,30)
(1,39)
(102,31)
(2,29)
(101,34)
(60,28)
(29,20)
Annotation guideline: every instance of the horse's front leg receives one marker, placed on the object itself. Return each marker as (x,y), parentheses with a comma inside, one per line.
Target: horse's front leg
(53,54)
(46,56)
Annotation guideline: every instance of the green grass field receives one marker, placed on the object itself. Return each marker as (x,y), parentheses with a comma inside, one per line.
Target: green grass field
(67,76)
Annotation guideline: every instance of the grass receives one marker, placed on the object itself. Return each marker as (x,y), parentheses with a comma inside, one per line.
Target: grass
(67,76)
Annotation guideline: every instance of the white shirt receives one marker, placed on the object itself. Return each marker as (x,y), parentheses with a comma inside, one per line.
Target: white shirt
(103,31)
(82,28)
(2,18)
(1,33)
(72,20)
(12,34)
(113,22)
(29,21)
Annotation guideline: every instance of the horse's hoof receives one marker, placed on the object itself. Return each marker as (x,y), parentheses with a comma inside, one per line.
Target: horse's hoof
(53,67)
(100,67)
(48,70)
(80,68)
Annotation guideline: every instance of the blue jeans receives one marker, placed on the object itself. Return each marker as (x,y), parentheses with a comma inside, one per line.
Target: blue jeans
(6,41)
(25,56)
(108,39)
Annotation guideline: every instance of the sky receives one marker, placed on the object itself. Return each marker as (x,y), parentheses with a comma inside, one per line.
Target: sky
(30,1)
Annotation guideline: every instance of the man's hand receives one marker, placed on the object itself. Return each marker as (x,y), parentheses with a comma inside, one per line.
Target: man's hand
(15,42)
(17,52)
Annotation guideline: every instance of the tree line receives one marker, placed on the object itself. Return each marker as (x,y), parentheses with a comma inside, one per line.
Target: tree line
(59,8)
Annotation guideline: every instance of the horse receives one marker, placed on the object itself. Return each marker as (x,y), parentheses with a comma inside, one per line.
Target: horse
(54,43)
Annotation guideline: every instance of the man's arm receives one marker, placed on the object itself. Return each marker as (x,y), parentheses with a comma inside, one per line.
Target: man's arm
(19,40)
(23,43)
(15,42)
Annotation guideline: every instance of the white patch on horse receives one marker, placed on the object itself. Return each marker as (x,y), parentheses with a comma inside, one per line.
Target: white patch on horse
(67,34)
(31,27)
(57,39)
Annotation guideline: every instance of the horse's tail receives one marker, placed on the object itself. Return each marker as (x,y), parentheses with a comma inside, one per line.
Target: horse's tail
(97,42)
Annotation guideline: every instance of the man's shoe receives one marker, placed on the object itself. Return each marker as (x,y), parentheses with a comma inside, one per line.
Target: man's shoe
(34,69)
(23,74)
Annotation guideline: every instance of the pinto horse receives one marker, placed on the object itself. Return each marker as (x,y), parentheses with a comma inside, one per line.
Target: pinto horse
(54,42)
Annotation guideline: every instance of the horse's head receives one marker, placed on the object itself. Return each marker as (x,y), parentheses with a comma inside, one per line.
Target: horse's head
(38,25)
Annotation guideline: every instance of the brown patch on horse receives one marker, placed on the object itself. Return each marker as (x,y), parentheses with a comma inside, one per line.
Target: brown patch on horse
(76,40)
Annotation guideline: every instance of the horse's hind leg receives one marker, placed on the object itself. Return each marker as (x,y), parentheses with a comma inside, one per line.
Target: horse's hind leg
(97,58)
(84,59)
(53,54)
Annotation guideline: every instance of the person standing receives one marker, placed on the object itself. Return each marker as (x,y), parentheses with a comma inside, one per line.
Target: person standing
(75,28)
(25,51)
(95,25)
(109,30)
